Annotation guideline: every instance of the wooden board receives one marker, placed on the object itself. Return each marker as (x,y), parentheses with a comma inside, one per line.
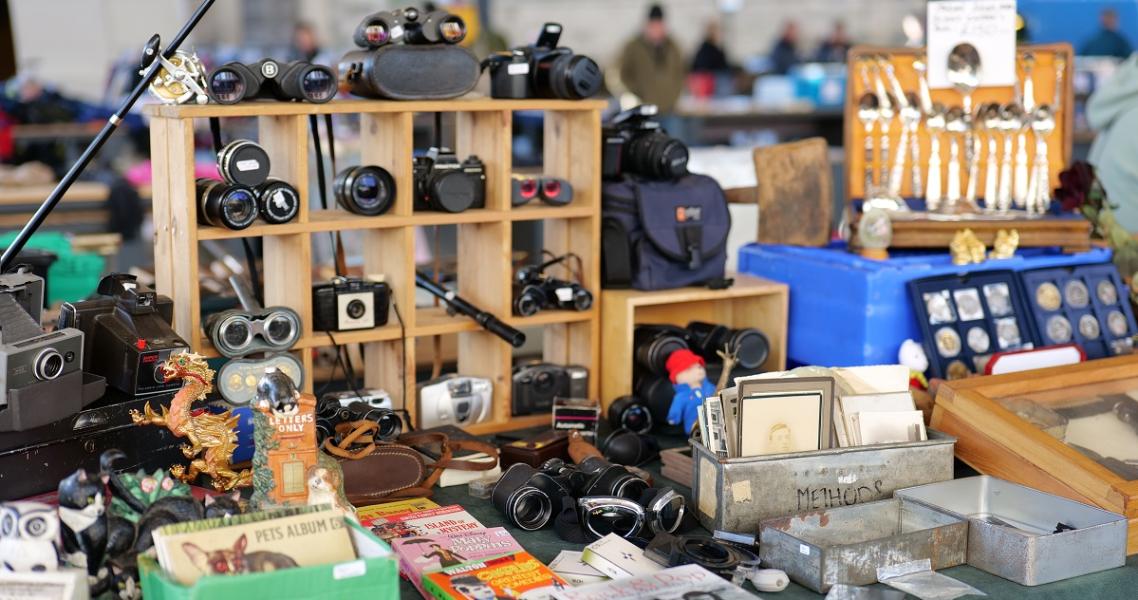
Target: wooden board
(1071,234)
(794,192)
(996,441)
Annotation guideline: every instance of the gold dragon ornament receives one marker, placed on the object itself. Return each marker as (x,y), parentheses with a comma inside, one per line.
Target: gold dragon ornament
(212,438)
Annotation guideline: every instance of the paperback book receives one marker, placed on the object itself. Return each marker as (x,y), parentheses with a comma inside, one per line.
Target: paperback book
(420,555)
(507,577)
(369,513)
(444,519)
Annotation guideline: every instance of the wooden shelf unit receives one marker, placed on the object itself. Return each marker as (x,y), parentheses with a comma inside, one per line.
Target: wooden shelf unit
(750,302)
(483,127)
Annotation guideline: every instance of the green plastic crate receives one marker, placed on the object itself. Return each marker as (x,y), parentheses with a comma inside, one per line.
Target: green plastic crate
(73,276)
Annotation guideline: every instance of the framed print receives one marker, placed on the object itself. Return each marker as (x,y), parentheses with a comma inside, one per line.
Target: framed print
(786,415)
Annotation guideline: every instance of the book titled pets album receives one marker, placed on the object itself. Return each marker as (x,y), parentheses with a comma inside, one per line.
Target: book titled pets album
(188,553)
(514,576)
(419,555)
(445,519)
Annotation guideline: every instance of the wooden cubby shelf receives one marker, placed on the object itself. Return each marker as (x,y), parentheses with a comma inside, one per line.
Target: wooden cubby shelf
(482,127)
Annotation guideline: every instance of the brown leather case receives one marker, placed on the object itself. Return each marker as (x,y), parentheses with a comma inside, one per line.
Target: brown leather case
(536,450)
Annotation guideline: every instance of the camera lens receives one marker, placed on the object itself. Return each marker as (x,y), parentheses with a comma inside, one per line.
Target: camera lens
(658,156)
(243,162)
(365,190)
(227,85)
(654,344)
(452,191)
(636,419)
(569,77)
(462,411)
(356,309)
(279,201)
(528,301)
(751,347)
(582,299)
(48,365)
(280,329)
(629,486)
(230,206)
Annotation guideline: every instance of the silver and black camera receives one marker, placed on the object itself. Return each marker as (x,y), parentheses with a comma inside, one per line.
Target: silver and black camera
(444,184)
(373,397)
(537,385)
(349,303)
(543,70)
(127,335)
(454,400)
(42,372)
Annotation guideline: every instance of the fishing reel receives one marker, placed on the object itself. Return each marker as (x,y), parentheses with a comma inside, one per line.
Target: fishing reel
(180,78)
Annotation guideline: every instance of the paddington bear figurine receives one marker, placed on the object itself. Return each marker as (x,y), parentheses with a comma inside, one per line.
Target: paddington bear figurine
(689,380)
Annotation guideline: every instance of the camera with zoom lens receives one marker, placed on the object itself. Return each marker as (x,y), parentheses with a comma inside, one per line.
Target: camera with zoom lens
(536,386)
(635,144)
(127,335)
(535,291)
(444,184)
(543,70)
(365,190)
(331,411)
(407,54)
(300,81)
(246,192)
(531,498)
(349,303)
(455,400)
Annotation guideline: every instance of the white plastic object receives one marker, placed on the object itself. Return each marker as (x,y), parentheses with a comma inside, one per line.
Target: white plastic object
(769,580)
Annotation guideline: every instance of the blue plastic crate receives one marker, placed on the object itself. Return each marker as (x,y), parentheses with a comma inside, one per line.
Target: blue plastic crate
(846,310)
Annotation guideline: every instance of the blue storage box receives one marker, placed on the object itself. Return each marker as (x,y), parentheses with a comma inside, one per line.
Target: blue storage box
(846,310)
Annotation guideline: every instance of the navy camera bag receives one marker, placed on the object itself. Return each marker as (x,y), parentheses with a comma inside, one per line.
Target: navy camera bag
(658,235)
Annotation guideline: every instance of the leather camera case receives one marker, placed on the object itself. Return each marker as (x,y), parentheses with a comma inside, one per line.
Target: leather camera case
(536,450)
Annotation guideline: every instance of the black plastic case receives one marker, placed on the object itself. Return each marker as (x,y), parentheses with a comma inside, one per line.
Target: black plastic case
(976,308)
(1093,302)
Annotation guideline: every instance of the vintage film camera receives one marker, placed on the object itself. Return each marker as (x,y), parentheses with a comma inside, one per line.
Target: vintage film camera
(127,334)
(635,144)
(535,291)
(407,54)
(42,372)
(535,386)
(454,400)
(543,70)
(444,184)
(300,81)
(349,303)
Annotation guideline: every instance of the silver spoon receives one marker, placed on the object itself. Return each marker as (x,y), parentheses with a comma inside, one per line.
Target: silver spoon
(935,123)
(964,75)
(955,126)
(867,112)
(914,115)
(991,123)
(1042,124)
(1010,120)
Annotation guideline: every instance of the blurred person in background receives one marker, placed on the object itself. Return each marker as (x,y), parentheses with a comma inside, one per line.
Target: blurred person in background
(1112,111)
(651,64)
(710,57)
(784,54)
(305,44)
(834,48)
(1108,41)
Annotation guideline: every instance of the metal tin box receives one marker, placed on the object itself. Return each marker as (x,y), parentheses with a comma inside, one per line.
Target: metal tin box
(1012,529)
(734,494)
(847,545)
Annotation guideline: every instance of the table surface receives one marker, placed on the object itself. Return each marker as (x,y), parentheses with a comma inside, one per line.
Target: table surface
(545,545)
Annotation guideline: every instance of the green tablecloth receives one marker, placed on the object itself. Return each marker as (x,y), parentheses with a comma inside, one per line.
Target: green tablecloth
(1118,583)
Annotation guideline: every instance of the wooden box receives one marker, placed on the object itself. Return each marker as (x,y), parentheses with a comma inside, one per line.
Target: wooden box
(998,441)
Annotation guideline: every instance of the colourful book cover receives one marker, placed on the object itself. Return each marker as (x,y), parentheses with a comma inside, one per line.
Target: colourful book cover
(444,519)
(369,513)
(419,555)
(511,577)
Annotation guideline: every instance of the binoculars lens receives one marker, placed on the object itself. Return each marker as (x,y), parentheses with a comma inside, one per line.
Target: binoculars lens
(377,34)
(227,86)
(452,30)
(531,509)
(236,333)
(551,188)
(279,329)
(318,85)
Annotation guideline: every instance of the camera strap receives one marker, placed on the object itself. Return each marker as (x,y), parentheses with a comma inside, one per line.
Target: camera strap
(322,183)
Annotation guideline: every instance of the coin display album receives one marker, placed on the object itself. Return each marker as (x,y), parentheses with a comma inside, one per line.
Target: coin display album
(967,318)
(1087,305)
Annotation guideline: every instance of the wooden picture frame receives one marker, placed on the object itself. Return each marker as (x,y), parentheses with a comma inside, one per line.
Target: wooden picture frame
(996,441)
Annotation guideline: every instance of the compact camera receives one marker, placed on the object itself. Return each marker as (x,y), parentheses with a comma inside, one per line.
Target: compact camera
(331,411)
(301,81)
(442,183)
(454,400)
(535,291)
(127,335)
(366,190)
(373,397)
(530,498)
(543,70)
(33,362)
(635,144)
(348,303)
(535,386)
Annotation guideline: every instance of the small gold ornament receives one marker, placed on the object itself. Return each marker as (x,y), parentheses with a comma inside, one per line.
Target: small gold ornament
(1004,247)
(966,248)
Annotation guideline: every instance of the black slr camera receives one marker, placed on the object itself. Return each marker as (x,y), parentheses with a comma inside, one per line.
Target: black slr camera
(348,303)
(442,183)
(543,70)
(537,385)
(330,412)
(635,144)
(302,81)
(535,291)
(530,498)
(127,335)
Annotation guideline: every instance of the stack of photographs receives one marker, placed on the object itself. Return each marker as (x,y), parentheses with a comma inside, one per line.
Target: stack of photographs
(1087,305)
(770,415)
(968,318)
